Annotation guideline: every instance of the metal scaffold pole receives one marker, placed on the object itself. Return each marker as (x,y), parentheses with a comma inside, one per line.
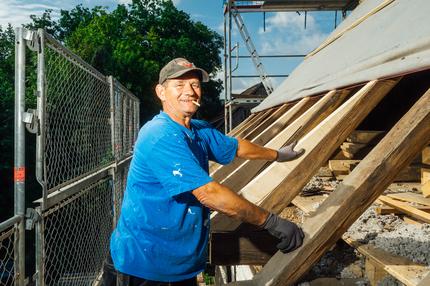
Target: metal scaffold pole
(19,154)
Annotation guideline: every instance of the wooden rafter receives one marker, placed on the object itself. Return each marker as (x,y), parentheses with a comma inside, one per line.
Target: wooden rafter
(351,198)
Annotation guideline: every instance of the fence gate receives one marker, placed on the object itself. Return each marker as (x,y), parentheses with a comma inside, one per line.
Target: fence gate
(85,124)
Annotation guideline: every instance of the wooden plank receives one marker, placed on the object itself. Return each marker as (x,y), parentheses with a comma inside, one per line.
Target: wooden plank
(255,122)
(351,198)
(425,281)
(241,125)
(267,122)
(234,248)
(365,136)
(426,155)
(341,168)
(308,204)
(411,197)
(276,186)
(374,272)
(223,171)
(403,269)
(407,209)
(238,178)
(425,188)
(384,209)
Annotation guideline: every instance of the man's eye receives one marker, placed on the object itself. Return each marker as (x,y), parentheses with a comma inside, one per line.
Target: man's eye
(195,85)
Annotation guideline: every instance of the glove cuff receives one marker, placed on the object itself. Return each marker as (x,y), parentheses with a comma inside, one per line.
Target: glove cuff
(270,221)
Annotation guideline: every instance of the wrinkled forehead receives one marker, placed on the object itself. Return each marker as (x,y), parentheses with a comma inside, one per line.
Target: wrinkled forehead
(191,75)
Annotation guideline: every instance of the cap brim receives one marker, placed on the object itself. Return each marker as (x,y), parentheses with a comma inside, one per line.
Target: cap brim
(203,73)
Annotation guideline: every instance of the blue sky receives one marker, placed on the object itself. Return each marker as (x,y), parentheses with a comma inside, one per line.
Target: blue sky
(284,31)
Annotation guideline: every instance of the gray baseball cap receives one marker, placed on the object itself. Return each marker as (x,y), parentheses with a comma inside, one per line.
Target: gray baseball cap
(180,66)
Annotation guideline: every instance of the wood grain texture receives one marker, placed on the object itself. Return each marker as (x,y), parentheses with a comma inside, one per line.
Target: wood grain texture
(368,180)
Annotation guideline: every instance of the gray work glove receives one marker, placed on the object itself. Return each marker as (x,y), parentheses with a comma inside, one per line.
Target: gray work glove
(288,153)
(289,233)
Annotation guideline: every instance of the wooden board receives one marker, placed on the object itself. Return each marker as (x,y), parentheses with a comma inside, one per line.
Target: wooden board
(384,209)
(403,269)
(267,122)
(233,248)
(223,171)
(411,197)
(276,186)
(407,209)
(365,136)
(357,192)
(299,127)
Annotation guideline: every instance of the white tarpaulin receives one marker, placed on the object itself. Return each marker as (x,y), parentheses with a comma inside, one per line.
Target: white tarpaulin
(379,39)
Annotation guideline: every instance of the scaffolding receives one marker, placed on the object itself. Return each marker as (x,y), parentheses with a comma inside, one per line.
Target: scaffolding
(232,11)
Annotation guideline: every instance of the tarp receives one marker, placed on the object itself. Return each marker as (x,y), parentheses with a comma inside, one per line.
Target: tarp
(379,39)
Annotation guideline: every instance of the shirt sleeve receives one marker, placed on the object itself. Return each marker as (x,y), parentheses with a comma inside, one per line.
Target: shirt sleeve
(175,166)
(222,148)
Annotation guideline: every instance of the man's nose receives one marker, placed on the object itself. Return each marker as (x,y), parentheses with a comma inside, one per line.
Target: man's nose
(188,88)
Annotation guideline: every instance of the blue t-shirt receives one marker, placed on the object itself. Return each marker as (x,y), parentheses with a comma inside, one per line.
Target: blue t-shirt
(162,232)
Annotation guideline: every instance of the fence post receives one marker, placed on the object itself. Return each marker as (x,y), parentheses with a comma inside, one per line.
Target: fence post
(19,154)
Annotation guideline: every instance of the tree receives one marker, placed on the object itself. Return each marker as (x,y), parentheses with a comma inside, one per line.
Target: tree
(133,42)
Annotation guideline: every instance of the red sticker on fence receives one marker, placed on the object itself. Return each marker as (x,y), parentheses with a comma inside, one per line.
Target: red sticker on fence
(19,174)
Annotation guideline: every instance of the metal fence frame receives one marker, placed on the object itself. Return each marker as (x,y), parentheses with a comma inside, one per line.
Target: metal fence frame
(120,120)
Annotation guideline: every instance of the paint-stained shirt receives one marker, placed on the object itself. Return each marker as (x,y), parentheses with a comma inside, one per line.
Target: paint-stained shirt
(162,232)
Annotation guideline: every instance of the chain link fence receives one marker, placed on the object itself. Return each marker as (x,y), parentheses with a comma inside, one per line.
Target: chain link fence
(7,262)
(77,127)
(76,236)
(85,125)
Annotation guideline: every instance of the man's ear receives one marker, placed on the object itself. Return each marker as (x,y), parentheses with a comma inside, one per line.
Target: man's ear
(160,90)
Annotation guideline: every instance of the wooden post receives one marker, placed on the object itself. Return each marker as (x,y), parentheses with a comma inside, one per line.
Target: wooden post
(277,185)
(357,192)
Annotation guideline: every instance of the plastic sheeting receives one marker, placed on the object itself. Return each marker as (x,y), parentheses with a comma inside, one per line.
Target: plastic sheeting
(393,41)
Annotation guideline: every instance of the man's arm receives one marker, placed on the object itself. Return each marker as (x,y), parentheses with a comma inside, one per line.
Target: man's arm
(220,198)
(250,151)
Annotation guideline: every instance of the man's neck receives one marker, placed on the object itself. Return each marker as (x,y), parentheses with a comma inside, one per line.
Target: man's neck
(179,118)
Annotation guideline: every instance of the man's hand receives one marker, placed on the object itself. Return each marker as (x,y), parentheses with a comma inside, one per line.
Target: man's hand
(288,153)
(290,234)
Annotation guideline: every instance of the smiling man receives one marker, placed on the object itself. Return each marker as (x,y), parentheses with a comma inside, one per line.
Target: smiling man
(162,234)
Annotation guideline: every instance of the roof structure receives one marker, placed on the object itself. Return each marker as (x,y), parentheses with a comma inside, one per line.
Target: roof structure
(379,39)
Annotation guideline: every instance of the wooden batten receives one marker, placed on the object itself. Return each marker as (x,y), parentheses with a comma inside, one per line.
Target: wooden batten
(241,125)
(238,178)
(223,171)
(276,186)
(407,209)
(351,198)
(269,120)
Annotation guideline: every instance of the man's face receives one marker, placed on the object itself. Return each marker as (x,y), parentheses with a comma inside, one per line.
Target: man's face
(177,94)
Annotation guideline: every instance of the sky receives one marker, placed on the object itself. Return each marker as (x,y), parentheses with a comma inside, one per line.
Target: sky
(275,33)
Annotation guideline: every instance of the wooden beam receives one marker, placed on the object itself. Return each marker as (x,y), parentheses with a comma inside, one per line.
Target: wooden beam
(403,269)
(223,171)
(411,197)
(242,132)
(276,186)
(425,281)
(365,136)
(268,121)
(242,124)
(237,179)
(407,209)
(384,209)
(249,248)
(351,198)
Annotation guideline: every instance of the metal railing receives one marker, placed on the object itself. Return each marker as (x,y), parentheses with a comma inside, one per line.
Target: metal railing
(85,125)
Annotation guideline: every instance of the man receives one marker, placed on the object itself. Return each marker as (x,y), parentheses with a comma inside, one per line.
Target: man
(162,234)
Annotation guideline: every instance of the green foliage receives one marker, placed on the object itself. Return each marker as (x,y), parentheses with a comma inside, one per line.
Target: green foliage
(133,42)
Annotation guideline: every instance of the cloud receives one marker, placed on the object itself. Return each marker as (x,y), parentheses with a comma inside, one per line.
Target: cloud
(124,1)
(286,34)
(176,2)
(17,12)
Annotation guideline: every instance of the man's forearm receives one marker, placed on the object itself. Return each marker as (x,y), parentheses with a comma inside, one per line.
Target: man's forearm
(222,199)
(251,151)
